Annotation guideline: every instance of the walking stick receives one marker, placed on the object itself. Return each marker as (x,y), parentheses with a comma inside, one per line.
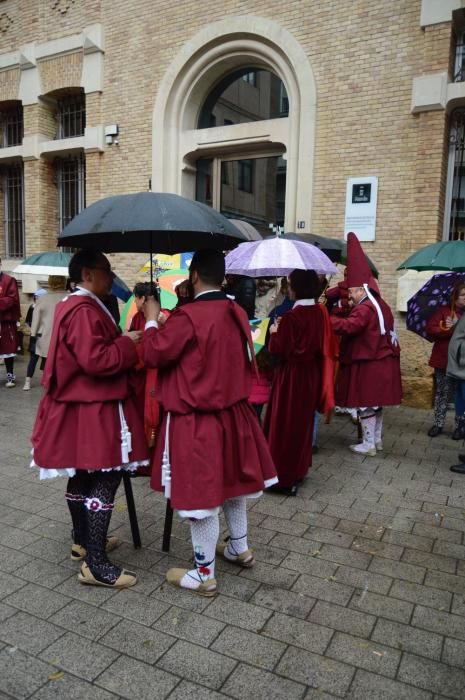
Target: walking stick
(168,527)
(131,511)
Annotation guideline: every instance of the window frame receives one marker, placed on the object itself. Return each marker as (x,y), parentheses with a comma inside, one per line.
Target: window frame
(14,222)
(66,212)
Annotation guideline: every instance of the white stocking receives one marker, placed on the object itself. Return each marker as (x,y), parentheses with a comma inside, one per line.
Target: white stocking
(368,428)
(204,535)
(379,426)
(235,513)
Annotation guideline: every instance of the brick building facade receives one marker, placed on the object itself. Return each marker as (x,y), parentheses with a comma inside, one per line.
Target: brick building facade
(368,89)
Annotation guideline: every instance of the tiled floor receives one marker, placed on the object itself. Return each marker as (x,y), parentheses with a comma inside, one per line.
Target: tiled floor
(358,591)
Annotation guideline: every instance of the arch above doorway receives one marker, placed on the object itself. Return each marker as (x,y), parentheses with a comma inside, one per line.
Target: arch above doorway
(203,61)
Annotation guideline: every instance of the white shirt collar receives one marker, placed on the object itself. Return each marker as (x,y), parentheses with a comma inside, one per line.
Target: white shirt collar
(206,291)
(80,291)
(304,302)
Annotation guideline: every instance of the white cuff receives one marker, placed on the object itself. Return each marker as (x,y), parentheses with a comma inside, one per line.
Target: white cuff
(150,324)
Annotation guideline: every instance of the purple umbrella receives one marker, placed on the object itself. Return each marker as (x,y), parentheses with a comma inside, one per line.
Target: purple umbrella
(274,257)
(435,293)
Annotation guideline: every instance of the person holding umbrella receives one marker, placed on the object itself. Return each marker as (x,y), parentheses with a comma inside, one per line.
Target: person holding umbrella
(440,327)
(211,451)
(87,426)
(304,344)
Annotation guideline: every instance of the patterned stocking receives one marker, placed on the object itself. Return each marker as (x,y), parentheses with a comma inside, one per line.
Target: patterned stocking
(235,513)
(204,535)
(99,505)
(379,427)
(76,493)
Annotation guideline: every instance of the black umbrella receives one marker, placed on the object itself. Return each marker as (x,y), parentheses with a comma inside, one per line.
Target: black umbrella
(143,223)
(147,222)
(335,248)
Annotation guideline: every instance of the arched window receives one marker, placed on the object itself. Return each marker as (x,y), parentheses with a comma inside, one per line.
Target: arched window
(234,123)
(245,95)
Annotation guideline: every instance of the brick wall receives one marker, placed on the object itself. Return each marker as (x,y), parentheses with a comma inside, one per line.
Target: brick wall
(364,55)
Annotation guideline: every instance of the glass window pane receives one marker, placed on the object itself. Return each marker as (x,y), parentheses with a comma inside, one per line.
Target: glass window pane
(457,212)
(254,190)
(204,181)
(247,95)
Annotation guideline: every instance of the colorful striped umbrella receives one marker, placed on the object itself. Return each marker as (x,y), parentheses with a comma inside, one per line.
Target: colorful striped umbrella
(168,281)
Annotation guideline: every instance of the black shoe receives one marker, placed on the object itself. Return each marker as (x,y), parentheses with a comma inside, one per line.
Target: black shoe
(457,434)
(434,431)
(284,490)
(458,468)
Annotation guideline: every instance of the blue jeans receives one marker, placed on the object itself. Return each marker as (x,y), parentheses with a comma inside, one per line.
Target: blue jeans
(460,399)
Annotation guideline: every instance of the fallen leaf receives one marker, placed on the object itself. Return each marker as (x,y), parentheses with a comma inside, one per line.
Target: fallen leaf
(332,578)
(147,643)
(56,676)
(174,621)
(120,508)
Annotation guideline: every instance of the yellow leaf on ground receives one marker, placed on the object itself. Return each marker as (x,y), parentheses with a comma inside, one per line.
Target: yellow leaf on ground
(56,676)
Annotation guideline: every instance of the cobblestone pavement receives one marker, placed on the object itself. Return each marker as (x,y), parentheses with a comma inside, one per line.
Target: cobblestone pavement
(358,591)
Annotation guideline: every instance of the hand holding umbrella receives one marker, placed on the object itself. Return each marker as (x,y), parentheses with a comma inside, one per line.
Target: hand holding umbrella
(151,309)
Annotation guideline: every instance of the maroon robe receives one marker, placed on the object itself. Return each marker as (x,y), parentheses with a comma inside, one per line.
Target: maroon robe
(217,448)
(86,376)
(369,372)
(296,391)
(10,313)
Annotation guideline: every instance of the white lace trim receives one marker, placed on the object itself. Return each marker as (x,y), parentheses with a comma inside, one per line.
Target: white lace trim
(207,512)
(51,473)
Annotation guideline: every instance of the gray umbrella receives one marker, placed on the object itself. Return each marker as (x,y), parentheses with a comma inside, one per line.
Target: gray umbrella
(335,248)
(147,222)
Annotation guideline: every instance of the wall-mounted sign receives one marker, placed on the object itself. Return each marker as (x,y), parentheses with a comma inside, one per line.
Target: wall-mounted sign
(361,199)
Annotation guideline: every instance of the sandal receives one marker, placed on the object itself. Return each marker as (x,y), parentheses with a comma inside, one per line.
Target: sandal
(126,579)
(78,552)
(245,560)
(205,588)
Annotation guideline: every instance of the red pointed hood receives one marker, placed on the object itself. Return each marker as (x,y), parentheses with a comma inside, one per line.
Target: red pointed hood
(358,270)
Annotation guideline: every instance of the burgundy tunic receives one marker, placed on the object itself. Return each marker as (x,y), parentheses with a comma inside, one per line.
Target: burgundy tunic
(86,376)
(217,448)
(296,391)
(369,372)
(10,313)
(436,330)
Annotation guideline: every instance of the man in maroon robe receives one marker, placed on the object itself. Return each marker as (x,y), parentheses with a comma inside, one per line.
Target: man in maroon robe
(10,313)
(211,451)
(87,425)
(369,356)
(303,342)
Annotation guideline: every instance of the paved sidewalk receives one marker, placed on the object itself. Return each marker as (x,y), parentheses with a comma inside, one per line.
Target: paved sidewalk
(358,591)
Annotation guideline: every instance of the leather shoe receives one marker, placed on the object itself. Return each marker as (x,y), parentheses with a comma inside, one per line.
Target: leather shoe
(434,431)
(458,468)
(457,434)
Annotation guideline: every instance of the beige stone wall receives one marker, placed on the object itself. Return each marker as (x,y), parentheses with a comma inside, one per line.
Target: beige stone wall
(9,83)
(364,55)
(60,72)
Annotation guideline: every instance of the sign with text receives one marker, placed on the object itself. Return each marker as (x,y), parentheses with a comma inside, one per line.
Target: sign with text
(361,199)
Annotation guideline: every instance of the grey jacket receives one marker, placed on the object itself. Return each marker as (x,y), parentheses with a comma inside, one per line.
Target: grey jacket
(42,320)
(456,355)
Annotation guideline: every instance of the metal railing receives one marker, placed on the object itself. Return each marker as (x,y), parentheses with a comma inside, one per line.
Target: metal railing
(13,188)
